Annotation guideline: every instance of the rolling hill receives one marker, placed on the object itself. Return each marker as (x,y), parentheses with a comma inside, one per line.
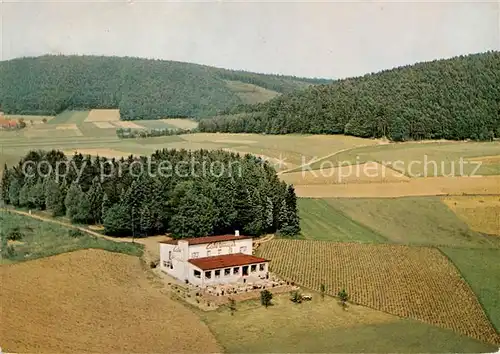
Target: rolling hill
(457,98)
(140,88)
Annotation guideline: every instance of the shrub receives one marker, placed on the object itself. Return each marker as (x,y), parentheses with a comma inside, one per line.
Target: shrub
(15,234)
(232,306)
(75,233)
(343,296)
(295,296)
(265,298)
(9,252)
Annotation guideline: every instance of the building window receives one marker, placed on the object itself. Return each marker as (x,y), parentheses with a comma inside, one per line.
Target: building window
(195,254)
(245,270)
(262,267)
(243,249)
(217,273)
(236,270)
(219,251)
(164,263)
(209,253)
(227,272)
(253,268)
(208,274)
(171,265)
(230,250)
(197,273)
(169,254)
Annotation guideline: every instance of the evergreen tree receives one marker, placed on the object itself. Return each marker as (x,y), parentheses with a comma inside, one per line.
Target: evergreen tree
(117,221)
(95,197)
(83,212)
(146,221)
(106,204)
(256,226)
(195,216)
(293,223)
(24,195)
(431,100)
(14,191)
(54,198)
(283,217)
(269,213)
(4,185)
(198,204)
(36,195)
(72,200)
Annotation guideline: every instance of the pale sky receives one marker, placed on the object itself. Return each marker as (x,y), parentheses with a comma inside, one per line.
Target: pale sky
(315,39)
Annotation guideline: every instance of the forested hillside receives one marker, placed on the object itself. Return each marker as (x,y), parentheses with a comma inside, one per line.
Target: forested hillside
(457,98)
(140,88)
(188,194)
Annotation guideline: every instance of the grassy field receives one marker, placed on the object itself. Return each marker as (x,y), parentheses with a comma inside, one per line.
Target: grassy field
(481,213)
(94,301)
(481,269)
(71,130)
(413,282)
(411,220)
(421,159)
(249,93)
(415,187)
(70,117)
(320,220)
(322,326)
(41,239)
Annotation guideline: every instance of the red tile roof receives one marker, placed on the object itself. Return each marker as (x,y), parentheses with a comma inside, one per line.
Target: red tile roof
(208,239)
(225,261)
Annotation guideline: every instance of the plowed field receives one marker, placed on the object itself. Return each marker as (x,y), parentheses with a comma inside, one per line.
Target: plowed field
(93,301)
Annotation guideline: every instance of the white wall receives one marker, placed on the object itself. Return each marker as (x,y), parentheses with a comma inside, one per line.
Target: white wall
(221,248)
(226,279)
(177,255)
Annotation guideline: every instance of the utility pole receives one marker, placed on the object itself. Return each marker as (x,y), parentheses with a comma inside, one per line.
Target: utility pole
(133,228)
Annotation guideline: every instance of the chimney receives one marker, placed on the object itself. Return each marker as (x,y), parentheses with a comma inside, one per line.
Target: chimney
(237,233)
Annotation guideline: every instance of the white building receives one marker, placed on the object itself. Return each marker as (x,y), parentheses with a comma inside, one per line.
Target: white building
(212,260)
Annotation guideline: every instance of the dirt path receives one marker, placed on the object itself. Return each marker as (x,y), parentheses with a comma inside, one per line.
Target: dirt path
(301,167)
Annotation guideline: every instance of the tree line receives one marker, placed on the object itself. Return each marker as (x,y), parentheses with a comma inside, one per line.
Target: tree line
(140,88)
(454,99)
(128,133)
(129,199)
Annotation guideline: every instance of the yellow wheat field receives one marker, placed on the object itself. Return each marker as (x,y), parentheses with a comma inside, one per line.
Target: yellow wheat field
(427,186)
(66,127)
(481,213)
(98,152)
(103,115)
(104,125)
(58,132)
(370,172)
(487,159)
(415,282)
(181,123)
(127,124)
